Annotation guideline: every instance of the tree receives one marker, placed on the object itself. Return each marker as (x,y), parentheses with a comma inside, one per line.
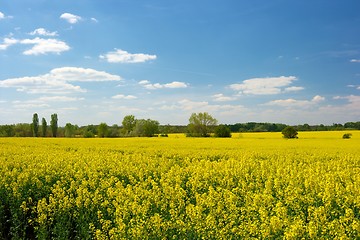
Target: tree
(103,130)
(289,132)
(35,125)
(128,124)
(222,131)
(43,127)
(69,130)
(54,124)
(146,128)
(200,125)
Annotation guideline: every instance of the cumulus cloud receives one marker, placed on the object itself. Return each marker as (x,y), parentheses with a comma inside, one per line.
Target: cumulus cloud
(70,18)
(148,85)
(126,97)
(292,103)
(57,81)
(121,56)
(7,42)
(318,98)
(264,86)
(43,32)
(44,46)
(3,16)
(222,98)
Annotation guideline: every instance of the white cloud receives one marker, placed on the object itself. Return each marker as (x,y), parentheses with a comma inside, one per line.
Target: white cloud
(121,56)
(3,16)
(126,97)
(70,18)
(148,85)
(43,32)
(293,89)
(355,60)
(204,106)
(57,81)
(94,20)
(175,85)
(82,75)
(292,103)
(354,86)
(264,86)
(59,99)
(7,43)
(318,98)
(43,46)
(222,98)
(346,112)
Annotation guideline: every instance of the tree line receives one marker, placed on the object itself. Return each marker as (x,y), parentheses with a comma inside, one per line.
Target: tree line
(200,125)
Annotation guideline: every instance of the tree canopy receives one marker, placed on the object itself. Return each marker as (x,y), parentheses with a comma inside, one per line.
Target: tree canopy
(201,125)
(289,132)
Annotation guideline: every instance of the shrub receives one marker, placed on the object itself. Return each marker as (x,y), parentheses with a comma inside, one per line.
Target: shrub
(347,136)
(289,132)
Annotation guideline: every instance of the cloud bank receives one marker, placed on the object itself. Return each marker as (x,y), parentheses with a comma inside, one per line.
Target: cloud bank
(57,81)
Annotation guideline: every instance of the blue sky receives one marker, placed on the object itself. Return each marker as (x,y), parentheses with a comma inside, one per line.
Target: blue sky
(95,61)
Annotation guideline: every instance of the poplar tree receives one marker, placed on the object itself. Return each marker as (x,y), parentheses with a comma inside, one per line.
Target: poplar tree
(35,125)
(44,127)
(54,124)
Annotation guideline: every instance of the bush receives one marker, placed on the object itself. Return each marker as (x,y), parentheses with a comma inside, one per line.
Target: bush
(289,132)
(222,131)
(347,136)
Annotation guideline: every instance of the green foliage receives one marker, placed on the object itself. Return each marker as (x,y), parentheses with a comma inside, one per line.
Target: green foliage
(146,128)
(35,125)
(201,125)
(347,136)
(289,132)
(69,130)
(222,131)
(7,131)
(128,124)
(43,127)
(54,124)
(103,130)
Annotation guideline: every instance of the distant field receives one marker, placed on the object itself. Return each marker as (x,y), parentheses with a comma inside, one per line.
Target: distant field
(253,185)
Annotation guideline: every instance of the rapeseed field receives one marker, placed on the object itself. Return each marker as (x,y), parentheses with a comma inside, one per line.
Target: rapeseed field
(253,185)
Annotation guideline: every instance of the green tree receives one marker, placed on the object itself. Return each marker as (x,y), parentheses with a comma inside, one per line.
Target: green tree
(43,127)
(128,124)
(103,130)
(146,128)
(7,131)
(201,125)
(35,125)
(69,130)
(222,131)
(54,124)
(289,132)
(347,136)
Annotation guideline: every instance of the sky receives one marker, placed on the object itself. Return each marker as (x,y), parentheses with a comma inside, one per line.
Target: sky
(93,61)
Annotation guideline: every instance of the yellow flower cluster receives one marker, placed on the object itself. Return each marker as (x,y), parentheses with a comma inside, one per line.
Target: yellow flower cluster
(249,186)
